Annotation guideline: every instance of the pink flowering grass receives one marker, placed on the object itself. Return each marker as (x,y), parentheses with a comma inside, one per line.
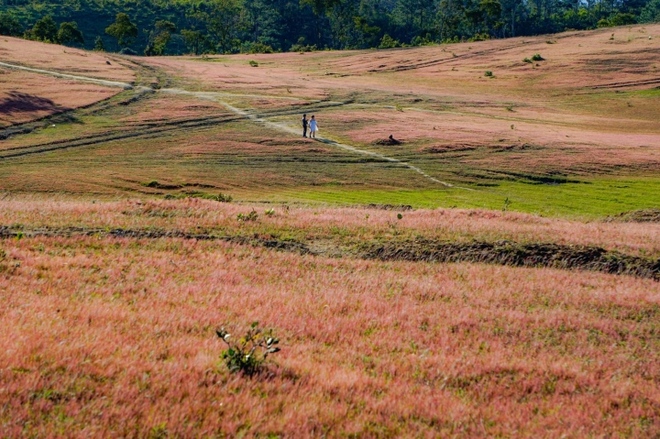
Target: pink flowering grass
(327,223)
(115,337)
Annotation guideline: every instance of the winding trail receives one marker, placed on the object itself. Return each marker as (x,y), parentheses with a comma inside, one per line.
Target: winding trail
(221,99)
(216,96)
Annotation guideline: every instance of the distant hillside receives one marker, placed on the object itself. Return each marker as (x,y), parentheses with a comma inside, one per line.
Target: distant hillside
(156,27)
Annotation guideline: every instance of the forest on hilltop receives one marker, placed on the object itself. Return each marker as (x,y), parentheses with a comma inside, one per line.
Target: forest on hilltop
(168,27)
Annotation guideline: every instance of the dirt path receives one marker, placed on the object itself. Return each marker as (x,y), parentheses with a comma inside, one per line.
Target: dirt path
(217,97)
(97,81)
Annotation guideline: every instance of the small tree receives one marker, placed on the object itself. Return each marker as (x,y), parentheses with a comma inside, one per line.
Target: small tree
(69,33)
(650,12)
(45,29)
(196,42)
(123,30)
(9,25)
(387,42)
(159,37)
(99,46)
(248,354)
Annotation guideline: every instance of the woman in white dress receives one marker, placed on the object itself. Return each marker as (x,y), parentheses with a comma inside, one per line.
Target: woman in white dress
(313,127)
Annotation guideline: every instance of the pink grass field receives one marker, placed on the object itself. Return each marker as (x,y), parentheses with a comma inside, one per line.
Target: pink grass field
(108,336)
(112,337)
(197,215)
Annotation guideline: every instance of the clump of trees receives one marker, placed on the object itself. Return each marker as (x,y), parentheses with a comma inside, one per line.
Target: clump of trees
(157,27)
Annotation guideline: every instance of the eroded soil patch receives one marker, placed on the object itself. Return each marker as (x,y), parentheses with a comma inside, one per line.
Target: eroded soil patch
(518,255)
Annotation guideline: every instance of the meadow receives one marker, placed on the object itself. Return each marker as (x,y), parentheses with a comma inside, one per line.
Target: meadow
(494,274)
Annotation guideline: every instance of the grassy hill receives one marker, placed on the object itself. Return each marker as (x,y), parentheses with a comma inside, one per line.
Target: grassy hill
(490,270)
(572,134)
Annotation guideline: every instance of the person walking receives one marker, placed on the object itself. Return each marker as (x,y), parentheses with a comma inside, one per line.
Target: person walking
(313,127)
(304,125)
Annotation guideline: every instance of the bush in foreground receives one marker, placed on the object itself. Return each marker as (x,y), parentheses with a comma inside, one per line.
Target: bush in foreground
(248,354)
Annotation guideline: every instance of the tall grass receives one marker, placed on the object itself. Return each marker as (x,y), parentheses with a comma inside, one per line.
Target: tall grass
(331,223)
(116,337)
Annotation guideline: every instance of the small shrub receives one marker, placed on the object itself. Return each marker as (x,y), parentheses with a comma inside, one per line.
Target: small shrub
(488,74)
(421,41)
(537,57)
(257,47)
(270,212)
(224,198)
(301,47)
(248,354)
(527,60)
(253,63)
(387,42)
(479,37)
(252,216)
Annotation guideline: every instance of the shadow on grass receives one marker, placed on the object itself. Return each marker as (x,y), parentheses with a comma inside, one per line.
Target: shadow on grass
(18,102)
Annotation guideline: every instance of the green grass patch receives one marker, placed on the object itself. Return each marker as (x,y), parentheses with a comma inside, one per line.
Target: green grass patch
(593,199)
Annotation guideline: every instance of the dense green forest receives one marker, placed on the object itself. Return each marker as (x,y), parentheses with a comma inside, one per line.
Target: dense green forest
(156,27)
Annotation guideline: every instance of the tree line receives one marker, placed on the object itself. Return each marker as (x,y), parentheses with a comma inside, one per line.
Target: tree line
(161,27)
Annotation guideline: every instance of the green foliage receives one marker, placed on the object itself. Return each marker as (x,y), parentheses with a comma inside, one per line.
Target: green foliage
(99,46)
(254,63)
(651,12)
(252,216)
(479,37)
(45,29)
(9,25)
(196,41)
(261,26)
(387,42)
(159,37)
(256,48)
(222,198)
(69,33)
(122,29)
(488,74)
(248,354)
(300,46)
(537,57)
(618,19)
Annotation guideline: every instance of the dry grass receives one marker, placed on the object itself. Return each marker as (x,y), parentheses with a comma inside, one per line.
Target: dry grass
(64,59)
(326,223)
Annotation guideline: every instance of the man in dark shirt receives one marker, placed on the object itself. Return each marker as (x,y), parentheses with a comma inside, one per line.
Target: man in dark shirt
(304,125)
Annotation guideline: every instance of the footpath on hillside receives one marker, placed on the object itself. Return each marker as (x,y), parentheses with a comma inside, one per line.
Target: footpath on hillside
(215,96)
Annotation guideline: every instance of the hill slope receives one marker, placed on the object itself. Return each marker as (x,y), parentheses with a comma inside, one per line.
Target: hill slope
(573,132)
